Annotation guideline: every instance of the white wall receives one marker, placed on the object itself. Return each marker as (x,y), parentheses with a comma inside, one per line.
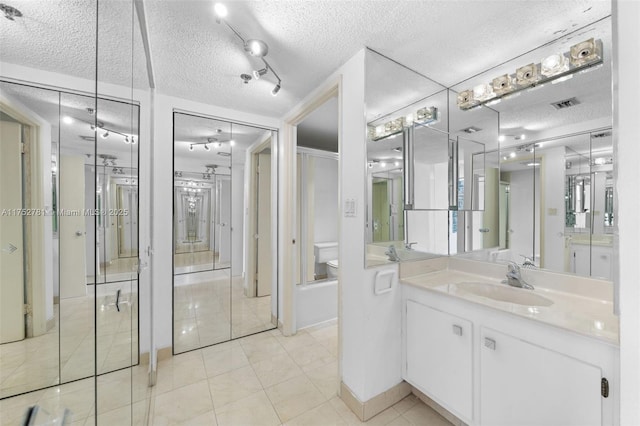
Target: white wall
(523,212)
(325,224)
(370,332)
(626,85)
(552,187)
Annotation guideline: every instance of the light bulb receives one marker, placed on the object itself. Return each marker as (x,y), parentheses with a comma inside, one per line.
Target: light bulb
(512,155)
(256,48)
(220,10)
(275,90)
(501,138)
(259,73)
(67,120)
(554,64)
(232,142)
(522,136)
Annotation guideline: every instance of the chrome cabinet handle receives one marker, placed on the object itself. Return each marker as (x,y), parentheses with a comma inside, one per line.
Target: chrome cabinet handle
(457,330)
(489,343)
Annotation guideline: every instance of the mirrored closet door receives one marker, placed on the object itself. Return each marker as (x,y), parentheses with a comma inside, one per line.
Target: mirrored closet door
(223,231)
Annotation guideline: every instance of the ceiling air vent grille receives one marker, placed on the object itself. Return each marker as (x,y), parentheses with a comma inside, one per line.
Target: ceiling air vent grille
(567,103)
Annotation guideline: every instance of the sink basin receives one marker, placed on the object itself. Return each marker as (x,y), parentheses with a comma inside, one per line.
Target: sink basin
(503,293)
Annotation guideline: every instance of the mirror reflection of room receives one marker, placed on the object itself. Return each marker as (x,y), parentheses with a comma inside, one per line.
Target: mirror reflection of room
(222,186)
(84,199)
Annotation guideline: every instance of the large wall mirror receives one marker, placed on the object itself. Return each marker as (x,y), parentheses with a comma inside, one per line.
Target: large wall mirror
(224,232)
(556,166)
(428,167)
(74,254)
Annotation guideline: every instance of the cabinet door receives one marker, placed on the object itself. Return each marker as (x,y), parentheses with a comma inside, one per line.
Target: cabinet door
(439,357)
(525,384)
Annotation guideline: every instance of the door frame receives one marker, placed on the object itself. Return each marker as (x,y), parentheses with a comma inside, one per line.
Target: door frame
(251,203)
(288,226)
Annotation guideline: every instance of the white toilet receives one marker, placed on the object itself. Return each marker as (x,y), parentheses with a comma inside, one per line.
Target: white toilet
(326,259)
(332,269)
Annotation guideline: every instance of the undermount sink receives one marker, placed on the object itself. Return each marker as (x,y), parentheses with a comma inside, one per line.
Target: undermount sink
(503,293)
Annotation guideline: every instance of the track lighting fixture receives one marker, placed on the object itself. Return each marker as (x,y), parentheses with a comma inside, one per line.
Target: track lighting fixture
(126,140)
(259,73)
(206,147)
(191,147)
(133,140)
(105,135)
(254,47)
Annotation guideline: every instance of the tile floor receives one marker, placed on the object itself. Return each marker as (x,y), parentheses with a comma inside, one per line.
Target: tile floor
(266,379)
(263,379)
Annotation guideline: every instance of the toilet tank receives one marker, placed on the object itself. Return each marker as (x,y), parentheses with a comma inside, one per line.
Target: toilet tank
(325,252)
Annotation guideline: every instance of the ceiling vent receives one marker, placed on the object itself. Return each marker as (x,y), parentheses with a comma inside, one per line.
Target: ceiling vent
(601,135)
(567,103)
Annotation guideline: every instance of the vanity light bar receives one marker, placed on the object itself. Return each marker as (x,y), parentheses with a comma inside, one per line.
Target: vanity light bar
(424,115)
(554,68)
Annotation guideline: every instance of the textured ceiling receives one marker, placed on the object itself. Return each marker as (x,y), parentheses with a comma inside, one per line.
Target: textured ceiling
(196,58)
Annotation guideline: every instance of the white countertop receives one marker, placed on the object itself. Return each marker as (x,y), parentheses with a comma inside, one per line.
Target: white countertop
(591,317)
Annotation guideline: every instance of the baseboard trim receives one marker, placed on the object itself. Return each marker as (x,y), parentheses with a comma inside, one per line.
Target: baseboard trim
(51,323)
(366,410)
(438,408)
(164,353)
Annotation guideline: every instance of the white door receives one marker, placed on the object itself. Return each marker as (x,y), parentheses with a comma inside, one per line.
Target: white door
(12,324)
(71,230)
(525,384)
(263,268)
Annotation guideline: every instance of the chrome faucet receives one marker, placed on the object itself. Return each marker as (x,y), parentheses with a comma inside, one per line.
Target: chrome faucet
(514,278)
(409,246)
(392,253)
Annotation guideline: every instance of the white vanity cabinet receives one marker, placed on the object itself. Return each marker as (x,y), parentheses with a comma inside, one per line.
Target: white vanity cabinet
(439,357)
(525,384)
(490,367)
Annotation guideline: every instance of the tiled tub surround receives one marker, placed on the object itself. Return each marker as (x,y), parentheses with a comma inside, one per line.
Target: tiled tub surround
(490,362)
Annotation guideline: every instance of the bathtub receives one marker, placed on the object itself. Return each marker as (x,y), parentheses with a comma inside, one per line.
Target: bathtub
(316,303)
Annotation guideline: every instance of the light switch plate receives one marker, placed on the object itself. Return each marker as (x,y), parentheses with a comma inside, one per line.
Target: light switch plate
(350,207)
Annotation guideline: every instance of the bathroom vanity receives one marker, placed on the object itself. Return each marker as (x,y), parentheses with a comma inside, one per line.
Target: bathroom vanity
(491,354)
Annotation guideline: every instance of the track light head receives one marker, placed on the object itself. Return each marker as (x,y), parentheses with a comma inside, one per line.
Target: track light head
(257,48)
(105,134)
(259,73)
(126,140)
(133,140)
(191,147)
(275,90)
(220,10)
(206,147)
